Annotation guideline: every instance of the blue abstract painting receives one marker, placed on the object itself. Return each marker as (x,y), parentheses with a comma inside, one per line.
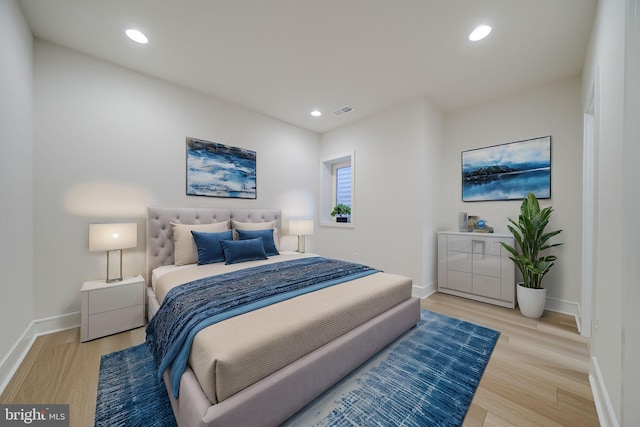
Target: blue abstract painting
(507,171)
(218,170)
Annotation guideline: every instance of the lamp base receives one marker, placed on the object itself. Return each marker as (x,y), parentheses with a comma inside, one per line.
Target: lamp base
(114,279)
(301,248)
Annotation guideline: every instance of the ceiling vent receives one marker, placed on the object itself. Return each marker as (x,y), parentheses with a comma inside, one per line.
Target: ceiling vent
(344,110)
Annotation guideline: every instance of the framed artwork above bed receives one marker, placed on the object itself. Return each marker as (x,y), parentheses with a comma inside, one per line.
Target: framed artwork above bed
(507,171)
(218,170)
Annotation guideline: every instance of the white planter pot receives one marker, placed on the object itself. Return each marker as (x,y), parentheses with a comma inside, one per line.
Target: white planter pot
(531,301)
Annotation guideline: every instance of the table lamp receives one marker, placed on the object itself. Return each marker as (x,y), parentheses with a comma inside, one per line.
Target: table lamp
(301,228)
(113,237)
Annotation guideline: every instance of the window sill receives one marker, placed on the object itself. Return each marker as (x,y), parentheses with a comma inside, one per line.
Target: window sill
(334,224)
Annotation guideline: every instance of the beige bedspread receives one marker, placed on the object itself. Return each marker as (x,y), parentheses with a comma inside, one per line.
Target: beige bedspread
(231,355)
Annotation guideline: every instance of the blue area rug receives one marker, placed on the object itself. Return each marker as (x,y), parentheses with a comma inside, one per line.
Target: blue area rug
(129,392)
(425,378)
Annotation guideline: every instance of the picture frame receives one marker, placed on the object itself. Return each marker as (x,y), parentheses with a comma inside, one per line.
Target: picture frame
(219,170)
(507,171)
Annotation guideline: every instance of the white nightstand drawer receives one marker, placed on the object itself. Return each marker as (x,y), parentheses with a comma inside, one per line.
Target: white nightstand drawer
(115,321)
(115,297)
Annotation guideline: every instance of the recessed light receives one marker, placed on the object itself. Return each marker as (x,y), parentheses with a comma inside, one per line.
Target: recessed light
(479,33)
(136,36)
(316,113)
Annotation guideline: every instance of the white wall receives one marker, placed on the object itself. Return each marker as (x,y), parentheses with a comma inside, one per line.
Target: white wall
(109,142)
(553,109)
(16,170)
(396,181)
(604,70)
(630,394)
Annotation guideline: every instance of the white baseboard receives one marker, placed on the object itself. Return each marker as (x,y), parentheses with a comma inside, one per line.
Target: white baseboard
(606,414)
(563,306)
(567,307)
(56,323)
(10,363)
(12,360)
(424,290)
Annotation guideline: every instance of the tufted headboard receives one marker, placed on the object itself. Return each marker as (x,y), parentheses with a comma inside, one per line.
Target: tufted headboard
(159,231)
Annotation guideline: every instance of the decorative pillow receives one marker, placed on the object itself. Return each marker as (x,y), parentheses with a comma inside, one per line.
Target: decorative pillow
(236,251)
(267,239)
(209,247)
(184,247)
(237,225)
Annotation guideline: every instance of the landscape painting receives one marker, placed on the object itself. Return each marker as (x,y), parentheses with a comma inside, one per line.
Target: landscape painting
(219,170)
(507,171)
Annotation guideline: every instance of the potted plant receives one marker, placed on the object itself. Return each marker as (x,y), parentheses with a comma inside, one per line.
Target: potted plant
(341,210)
(532,239)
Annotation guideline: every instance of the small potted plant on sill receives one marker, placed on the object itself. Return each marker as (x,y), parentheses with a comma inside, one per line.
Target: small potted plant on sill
(532,239)
(341,212)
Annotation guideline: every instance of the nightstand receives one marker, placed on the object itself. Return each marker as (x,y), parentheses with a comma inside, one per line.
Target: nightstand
(109,308)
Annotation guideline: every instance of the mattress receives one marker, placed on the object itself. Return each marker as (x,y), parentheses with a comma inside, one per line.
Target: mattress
(164,278)
(234,354)
(161,271)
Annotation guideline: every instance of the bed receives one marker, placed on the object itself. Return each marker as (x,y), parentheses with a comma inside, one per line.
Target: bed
(261,367)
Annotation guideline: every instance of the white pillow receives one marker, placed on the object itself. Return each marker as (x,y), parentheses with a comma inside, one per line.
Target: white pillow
(184,247)
(237,225)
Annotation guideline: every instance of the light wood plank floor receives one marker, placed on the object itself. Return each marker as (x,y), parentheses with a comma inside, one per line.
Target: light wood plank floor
(537,374)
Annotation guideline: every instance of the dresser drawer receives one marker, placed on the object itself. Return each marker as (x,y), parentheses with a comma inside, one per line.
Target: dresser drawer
(487,265)
(459,261)
(459,281)
(486,286)
(115,297)
(488,245)
(459,244)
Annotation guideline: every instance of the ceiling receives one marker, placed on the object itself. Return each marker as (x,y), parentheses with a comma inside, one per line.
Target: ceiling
(285,58)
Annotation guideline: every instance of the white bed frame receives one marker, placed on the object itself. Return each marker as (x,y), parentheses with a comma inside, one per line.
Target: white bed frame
(277,397)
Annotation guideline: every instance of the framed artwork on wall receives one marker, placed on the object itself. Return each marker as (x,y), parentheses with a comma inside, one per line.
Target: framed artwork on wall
(218,170)
(507,171)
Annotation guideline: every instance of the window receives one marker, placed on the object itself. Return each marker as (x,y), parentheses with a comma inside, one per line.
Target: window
(337,186)
(342,174)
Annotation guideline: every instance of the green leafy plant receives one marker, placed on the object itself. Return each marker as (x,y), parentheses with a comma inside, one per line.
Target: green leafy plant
(529,233)
(341,209)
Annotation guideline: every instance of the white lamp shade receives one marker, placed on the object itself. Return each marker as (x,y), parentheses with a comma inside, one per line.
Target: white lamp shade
(108,237)
(303,227)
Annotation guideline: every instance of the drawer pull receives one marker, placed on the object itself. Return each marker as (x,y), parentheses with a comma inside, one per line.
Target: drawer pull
(482,242)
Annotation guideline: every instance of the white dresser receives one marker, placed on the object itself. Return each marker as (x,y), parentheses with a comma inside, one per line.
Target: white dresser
(476,266)
(109,308)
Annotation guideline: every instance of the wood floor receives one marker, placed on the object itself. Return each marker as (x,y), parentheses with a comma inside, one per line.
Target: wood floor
(537,374)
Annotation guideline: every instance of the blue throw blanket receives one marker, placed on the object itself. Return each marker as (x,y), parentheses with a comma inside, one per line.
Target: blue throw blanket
(191,307)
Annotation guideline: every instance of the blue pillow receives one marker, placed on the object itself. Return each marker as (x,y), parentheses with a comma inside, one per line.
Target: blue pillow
(208,245)
(236,251)
(267,239)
